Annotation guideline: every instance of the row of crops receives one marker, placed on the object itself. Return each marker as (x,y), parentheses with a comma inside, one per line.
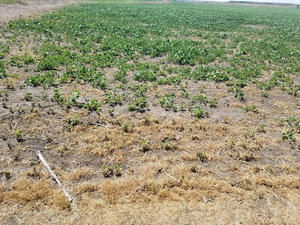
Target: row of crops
(156,45)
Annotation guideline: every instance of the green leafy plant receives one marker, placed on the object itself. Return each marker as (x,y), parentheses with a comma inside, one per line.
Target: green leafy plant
(46,80)
(48,63)
(202,156)
(28,97)
(75,95)
(167,102)
(19,136)
(111,170)
(10,85)
(127,127)
(113,99)
(288,135)
(73,121)
(3,93)
(57,97)
(198,113)
(138,104)
(21,110)
(92,105)
(145,146)
(3,73)
(250,108)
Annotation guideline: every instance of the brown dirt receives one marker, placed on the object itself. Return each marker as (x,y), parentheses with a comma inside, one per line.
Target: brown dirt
(30,8)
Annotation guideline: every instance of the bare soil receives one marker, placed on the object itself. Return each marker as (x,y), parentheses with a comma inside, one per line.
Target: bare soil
(30,8)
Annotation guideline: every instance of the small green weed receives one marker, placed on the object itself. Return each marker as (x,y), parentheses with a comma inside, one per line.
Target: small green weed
(288,135)
(198,113)
(138,104)
(111,170)
(145,146)
(250,108)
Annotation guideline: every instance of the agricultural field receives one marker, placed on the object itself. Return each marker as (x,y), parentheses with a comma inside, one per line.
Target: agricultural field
(151,114)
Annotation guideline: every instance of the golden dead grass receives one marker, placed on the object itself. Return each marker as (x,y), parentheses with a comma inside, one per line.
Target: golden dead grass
(238,180)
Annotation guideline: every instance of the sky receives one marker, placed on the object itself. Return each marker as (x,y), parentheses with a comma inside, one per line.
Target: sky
(275,1)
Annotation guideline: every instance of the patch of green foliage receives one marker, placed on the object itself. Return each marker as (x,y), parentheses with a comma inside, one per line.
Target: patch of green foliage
(47,79)
(111,170)
(113,99)
(198,113)
(92,105)
(133,51)
(138,105)
(250,108)
(2,70)
(167,102)
(4,49)
(20,61)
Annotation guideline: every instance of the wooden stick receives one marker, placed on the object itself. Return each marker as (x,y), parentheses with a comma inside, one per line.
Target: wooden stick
(54,176)
(172,177)
(96,124)
(44,107)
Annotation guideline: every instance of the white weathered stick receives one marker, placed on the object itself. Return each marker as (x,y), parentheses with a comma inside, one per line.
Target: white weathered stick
(54,176)
(96,124)
(172,177)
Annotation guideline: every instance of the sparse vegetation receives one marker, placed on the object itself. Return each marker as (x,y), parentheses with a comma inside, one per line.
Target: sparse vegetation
(28,97)
(250,108)
(138,104)
(73,121)
(145,146)
(111,170)
(92,105)
(287,135)
(19,136)
(167,102)
(198,113)
(202,156)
